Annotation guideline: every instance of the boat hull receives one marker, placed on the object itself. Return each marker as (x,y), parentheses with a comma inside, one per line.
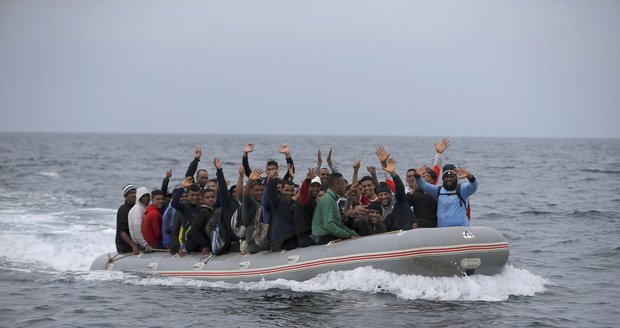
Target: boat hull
(435,252)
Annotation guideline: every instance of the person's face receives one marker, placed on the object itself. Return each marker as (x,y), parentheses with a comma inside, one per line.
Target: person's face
(449,179)
(257,192)
(131,197)
(145,199)
(288,191)
(368,188)
(374,216)
(183,198)
(279,187)
(385,198)
(320,194)
(212,185)
(428,178)
(158,201)
(314,189)
(324,173)
(203,178)
(410,178)
(193,197)
(340,187)
(269,170)
(208,199)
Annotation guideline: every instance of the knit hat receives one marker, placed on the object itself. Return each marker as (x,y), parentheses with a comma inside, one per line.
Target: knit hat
(448,168)
(316,179)
(375,206)
(127,189)
(383,187)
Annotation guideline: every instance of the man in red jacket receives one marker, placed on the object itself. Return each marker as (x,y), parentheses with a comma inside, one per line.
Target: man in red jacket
(151,226)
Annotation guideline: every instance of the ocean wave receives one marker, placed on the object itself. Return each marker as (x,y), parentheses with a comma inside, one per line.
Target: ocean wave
(614,172)
(51,174)
(510,283)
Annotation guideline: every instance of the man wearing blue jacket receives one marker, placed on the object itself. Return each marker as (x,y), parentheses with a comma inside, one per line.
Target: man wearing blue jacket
(451,196)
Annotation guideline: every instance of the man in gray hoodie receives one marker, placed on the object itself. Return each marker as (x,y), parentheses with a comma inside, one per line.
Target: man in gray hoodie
(136,217)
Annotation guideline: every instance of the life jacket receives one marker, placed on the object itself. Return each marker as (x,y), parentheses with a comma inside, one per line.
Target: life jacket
(461,199)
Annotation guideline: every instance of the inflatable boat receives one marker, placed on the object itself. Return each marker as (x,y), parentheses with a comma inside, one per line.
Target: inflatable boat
(435,252)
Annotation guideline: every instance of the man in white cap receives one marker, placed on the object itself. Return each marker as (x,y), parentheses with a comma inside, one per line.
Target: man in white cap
(124,244)
(136,218)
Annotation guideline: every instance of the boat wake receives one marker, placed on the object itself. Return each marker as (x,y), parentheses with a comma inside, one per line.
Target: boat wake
(511,282)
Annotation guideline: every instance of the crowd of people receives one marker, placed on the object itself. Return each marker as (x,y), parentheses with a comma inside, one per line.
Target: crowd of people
(263,212)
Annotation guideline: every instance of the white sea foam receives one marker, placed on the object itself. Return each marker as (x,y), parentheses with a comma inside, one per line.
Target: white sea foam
(51,174)
(511,282)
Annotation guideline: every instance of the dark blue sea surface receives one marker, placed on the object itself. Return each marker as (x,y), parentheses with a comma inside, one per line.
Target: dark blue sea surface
(555,200)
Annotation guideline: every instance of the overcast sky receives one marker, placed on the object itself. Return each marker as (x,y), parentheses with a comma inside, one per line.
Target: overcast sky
(532,68)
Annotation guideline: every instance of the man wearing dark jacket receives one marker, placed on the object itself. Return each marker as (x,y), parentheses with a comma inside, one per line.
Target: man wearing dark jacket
(401,217)
(198,239)
(124,244)
(187,210)
(304,208)
(282,230)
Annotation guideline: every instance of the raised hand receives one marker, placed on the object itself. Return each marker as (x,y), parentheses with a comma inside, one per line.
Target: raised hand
(256,173)
(372,170)
(462,173)
(187,182)
(421,170)
(248,149)
(442,145)
(311,174)
(382,154)
(284,150)
(356,165)
(319,160)
(197,152)
(168,174)
(329,155)
(217,163)
(390,166)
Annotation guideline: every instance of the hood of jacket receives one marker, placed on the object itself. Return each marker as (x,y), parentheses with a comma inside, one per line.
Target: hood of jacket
(141,192)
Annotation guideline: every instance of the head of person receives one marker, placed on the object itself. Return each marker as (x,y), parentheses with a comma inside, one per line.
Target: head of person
(157,198)
(374,212)
(193,194)
(323,175)
(256,190)
(411,179)
(288,188)
(208,197)
(270,167)
(430,176)
(384,193)
(129,192)
(337,183)
(183,198)
(279,184)
(315,186)
(233,191)
(212,184)
(144,196)
(367,187)
(202,177)
(449,177)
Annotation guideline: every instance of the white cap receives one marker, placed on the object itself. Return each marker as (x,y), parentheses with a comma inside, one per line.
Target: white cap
(316,180)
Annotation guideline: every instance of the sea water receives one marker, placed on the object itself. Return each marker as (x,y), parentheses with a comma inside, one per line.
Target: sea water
(555,201)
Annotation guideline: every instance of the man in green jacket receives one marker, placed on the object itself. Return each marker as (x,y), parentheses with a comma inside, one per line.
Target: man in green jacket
(327,224)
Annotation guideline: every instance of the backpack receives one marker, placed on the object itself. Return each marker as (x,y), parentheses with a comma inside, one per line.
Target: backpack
(461,199)
(261,230)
